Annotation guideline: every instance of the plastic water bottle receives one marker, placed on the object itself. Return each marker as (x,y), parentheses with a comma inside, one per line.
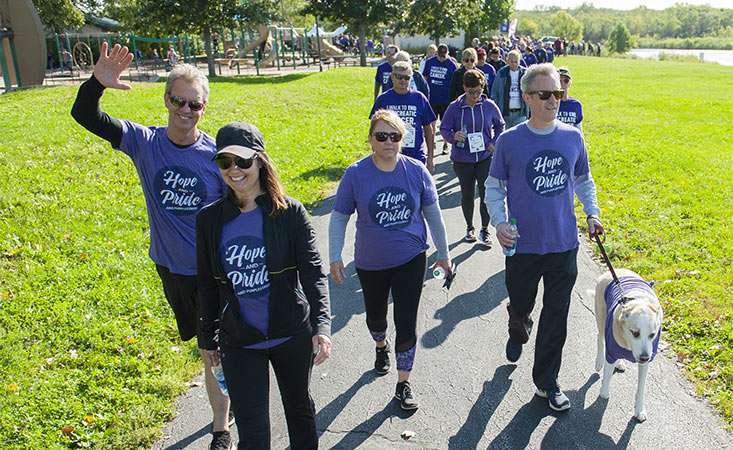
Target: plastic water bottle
(438,273)
(464,130)
(218,373)
(514,231)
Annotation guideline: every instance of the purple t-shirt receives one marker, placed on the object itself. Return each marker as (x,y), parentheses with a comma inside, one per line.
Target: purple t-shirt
(415,111)
(540,172)
(439,75)
(490,73)
(384,72)
(177,183)
(243,256)
(613,296)
(390,229)
(570,112)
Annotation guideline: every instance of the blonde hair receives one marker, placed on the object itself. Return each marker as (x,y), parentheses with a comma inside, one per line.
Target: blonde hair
(402,66)
(189,73)
(390,118)
(469,52)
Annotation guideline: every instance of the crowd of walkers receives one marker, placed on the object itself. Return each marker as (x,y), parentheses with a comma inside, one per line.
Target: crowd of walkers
(238,259)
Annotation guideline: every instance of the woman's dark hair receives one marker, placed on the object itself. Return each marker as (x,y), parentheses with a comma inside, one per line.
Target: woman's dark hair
(474,78)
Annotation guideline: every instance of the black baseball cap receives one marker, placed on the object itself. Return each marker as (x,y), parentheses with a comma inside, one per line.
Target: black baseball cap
(564,72)
(239,138)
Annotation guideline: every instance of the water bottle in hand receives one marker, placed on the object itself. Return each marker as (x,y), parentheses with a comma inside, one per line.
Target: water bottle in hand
(462,143)
(218,373)
(514,232)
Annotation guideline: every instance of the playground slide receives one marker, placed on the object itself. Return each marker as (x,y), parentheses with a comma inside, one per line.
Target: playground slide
(328,49)
(264,32)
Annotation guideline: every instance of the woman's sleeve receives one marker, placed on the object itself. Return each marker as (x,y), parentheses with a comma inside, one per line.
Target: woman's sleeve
(311,272)
(208,291)
(434,218)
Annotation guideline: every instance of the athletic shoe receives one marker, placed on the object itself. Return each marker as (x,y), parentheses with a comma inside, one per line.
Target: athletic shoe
(231,417)
(470,235)
(403,393)
(381,362)
(513,350)
(222,441)
(484,238)
(556,399)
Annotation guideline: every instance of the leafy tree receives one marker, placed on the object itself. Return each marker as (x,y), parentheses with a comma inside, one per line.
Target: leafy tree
(446,18)
(566,26)
(485,16)
(620,39)
(361,15)
(59,15)
(527,27)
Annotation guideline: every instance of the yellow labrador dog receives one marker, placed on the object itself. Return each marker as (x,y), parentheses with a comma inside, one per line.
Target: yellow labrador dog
(629,322)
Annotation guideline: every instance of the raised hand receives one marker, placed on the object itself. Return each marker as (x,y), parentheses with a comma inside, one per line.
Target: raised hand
(110,66)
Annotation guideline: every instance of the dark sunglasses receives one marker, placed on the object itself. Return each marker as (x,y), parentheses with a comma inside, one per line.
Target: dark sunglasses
(225,161)
(544,95)
(180,102)
(403,77)
(382,136)
(469,60)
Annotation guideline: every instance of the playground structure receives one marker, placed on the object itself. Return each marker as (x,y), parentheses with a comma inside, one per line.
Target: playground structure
(21,33)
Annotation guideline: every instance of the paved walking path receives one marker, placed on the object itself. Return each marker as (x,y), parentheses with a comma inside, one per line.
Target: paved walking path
(470,396)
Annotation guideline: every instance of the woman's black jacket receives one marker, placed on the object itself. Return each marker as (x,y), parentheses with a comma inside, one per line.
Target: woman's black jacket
(298,284)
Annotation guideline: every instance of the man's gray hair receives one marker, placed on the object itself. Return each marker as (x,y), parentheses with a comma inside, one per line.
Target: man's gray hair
(536,70)
(515,53)
(189,73)
(402,66)
(402,55)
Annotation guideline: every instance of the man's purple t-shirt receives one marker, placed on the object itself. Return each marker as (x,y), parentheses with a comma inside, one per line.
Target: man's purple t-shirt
(540,172)
(177,183)
(415,111)
(439,75)
(390,229)
(612,297)
(570,112)
(243,257)
(384,71)
(490,73)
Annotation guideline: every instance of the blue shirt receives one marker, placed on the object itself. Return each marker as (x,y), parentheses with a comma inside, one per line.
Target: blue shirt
(529,59)
(415,111)
(490,73)
(243,257)
(439,75)
(177,183)
(383,76)
(570,112)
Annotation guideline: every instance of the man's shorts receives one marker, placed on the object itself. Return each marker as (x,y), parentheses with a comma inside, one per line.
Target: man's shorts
(180,291)
(439,109)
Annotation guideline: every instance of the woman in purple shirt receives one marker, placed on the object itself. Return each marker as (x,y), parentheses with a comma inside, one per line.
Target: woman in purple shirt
(393,195)
(471,124)
(263,294)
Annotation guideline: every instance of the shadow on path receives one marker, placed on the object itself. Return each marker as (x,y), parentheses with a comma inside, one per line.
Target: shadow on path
(488,401)
(327,414)
(366,430)
(191,438)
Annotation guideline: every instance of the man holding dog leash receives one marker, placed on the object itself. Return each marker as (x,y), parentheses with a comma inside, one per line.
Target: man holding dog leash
(537,167)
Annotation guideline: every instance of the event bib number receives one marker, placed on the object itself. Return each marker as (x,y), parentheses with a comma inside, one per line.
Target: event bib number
(476,142)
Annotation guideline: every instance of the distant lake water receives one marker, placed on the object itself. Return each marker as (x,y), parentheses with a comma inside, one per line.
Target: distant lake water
(723,57)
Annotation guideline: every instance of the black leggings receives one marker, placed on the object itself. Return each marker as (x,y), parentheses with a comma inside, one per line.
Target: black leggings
(470,174)
(248,378)
(405,282)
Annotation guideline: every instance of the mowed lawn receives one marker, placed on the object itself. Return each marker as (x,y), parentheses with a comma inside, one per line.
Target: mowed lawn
(90,352)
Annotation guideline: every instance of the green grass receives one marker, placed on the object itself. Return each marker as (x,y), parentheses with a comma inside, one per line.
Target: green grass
(88,340)
(661,146)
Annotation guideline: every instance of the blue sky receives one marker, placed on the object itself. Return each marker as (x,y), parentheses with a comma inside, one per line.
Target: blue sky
(621,4)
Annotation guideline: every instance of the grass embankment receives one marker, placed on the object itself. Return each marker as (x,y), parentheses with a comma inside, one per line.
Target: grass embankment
(90,354)
(702,43)
(661,147)
(89,342)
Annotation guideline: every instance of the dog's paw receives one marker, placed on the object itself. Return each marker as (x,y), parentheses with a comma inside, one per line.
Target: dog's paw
(640,416)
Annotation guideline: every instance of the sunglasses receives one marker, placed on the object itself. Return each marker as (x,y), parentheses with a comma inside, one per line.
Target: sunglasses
(382,136)
(469,60)
(403,77)
(544,95)
(225,162)
(180,102)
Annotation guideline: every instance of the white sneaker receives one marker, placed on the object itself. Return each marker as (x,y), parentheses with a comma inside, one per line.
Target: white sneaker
(557,400)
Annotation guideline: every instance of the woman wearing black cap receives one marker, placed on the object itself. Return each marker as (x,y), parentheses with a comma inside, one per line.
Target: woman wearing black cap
(263,293)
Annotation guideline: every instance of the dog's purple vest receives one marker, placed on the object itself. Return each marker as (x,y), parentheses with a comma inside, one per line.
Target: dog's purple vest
(613,296)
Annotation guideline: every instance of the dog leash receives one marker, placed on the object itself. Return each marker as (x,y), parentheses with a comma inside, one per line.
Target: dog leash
(624,299)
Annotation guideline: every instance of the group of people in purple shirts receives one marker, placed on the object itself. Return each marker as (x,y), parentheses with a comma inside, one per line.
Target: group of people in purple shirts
(238,259)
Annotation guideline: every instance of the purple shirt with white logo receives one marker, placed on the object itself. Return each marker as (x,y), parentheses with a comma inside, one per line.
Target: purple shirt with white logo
(384,72)
(415,111)
(439,75)
(613,296)
(570,112)
(540,172)
(390,229)
(243,255)
(177,183)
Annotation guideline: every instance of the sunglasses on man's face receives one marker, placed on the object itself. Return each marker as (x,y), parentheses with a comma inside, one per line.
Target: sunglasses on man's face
(180,102)
(544,95)
(225,161)
(403,77)
(382,136)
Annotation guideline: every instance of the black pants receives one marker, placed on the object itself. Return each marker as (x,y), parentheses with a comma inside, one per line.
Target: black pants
(470,174)
(180,291)
(558,272)
(248,379)
(405,282)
